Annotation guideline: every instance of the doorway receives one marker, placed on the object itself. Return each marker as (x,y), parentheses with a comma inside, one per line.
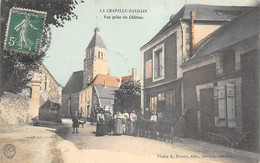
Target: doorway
(207,111)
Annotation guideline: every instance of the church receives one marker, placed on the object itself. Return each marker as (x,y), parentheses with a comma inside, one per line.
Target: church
(93,86)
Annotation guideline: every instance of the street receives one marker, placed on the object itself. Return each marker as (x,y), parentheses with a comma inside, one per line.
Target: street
(36,144)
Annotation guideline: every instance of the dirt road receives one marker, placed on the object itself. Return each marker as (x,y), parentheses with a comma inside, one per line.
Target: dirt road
(58,145)
(126,148)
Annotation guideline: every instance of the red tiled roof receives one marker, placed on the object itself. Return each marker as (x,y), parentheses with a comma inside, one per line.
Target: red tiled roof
(106,80)
(125,79)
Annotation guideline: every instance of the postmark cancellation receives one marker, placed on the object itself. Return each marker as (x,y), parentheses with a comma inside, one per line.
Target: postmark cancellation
(9,151)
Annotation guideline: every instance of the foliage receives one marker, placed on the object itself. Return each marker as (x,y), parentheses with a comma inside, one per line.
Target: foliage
(15,67)
(128,97)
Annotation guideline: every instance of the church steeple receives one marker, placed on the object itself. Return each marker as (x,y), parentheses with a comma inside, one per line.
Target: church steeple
(96,40)
(96,59)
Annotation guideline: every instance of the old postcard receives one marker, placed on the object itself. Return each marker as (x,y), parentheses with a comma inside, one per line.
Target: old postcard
(129,81)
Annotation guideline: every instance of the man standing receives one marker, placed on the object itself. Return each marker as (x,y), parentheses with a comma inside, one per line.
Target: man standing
(75,123)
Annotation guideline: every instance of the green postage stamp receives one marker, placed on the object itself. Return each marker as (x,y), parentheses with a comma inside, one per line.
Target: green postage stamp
(24,30)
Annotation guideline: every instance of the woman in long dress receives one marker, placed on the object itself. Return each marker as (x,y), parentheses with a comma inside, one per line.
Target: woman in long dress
(125,121)
(108,122)
(100,131)
(118,124)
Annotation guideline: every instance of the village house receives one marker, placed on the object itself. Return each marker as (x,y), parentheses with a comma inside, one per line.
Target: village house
(46,96)
(221,86)
(162,90)
(100,93)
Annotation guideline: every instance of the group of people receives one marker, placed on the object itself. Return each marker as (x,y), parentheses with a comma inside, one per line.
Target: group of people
(118,124)
(104,123)
(107,124)
(125,123)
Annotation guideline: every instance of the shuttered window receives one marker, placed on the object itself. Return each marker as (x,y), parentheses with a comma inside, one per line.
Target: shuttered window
(222,106)
(231,112)
(226,106)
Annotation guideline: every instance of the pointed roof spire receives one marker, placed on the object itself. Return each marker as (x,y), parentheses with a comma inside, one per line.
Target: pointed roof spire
(96,40)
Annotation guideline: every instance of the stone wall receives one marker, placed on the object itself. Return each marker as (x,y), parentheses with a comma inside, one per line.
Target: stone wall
(14,110)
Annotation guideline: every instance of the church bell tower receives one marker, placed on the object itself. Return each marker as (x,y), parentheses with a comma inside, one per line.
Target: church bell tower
(95,61)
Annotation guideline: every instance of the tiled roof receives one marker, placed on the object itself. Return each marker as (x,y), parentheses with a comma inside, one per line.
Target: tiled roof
(96,41)
(125,79)
(203,13)
(75,83)
(106,80)
(239,29)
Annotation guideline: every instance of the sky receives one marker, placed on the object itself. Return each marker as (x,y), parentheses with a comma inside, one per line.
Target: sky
(123,37)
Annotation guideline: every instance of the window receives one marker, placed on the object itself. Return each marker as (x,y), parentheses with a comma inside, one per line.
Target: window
(229,64)
(226,106)
(161,96)
(86,96)
(153,104)
(158,63)
(170,98)
(99,55)
(81,96)
(148,69)
(46,82)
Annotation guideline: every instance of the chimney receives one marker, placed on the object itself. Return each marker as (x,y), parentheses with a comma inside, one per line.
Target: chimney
(192,45)
(105,83)
(120,81)
(96,30)
(134,75)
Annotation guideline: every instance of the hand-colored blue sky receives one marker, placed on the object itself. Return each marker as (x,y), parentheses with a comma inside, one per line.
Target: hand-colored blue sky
(123,38)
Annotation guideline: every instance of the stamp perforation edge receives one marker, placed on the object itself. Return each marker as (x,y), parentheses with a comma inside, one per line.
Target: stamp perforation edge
(7,29)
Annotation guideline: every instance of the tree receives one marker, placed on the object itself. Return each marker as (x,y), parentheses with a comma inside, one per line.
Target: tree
(128,97)
(15,67)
